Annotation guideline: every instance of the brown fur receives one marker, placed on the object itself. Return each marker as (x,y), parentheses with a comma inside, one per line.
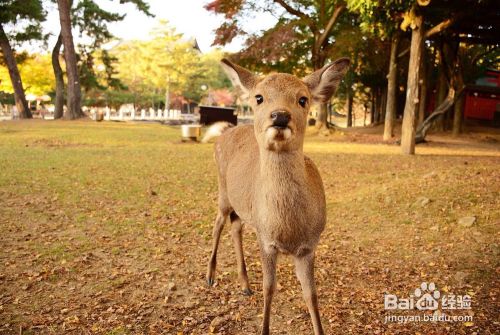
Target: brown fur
(267,182)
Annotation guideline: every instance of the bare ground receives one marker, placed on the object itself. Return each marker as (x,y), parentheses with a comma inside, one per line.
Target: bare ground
(105,229)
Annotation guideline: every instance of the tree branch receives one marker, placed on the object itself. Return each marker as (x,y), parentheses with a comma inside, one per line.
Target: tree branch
(330,24)
(443,25)
(404,52)
(291,10)
(436,30)
(451,98)
(476,58)
(297,13)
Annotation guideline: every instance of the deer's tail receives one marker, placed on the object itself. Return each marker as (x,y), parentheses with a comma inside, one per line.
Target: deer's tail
(215,130)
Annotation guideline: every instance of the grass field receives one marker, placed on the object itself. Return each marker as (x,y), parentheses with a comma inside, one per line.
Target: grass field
(105,228)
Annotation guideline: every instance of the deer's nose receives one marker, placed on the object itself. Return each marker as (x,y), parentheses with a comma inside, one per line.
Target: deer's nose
(280,119)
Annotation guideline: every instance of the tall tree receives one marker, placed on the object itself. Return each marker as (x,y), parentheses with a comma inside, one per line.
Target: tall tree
(460,66)
(423,13)
(11,12)
(390,112)
(59,75)
(443,52)
(366,75)
(74,100)
(425,73)
(91,20)
(305,32)
(411,104)
(33,70)
(381,20)
(166,64)
(473,62)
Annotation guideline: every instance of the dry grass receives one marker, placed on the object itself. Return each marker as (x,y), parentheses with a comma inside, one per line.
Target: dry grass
(105,229)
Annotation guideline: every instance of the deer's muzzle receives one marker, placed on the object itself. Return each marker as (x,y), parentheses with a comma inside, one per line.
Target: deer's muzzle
(280,119)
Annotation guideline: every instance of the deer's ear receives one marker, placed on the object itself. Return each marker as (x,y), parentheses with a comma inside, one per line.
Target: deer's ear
(239,76)
(324,82)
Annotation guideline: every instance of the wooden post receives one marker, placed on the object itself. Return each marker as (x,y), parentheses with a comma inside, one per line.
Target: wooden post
(408,128)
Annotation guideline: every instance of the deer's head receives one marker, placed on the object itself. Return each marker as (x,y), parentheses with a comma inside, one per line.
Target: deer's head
(281,101)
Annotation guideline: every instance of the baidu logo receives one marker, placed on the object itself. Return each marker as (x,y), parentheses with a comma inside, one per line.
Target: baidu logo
(427,298)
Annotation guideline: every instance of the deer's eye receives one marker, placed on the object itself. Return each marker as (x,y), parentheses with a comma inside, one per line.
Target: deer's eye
(303,101)
(259,98)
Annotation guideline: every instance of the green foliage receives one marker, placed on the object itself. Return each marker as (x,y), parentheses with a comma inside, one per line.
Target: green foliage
(164,63)
(475,60)
(37,79)
(7,98)
(87,70)
(108,62)
(380,18)
(141,5)
(290,45)
(92,22)
(282,48)
(24,18)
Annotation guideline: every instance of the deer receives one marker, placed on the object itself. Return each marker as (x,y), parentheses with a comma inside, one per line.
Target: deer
(265,180)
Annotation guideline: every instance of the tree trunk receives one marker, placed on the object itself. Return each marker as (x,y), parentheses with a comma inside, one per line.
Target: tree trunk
(383,106)
(441,92)
(440,110)
(459,104)
(349,107)
(15,77)
(408,128)
(376,111)
(58,73)
(373,107)
(322,116)
(458,116)
(365,110)
(74,92)
(423,90)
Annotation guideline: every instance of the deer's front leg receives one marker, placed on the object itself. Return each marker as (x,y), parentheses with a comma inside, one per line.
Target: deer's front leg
(304,267)
(268,259)
(219,224)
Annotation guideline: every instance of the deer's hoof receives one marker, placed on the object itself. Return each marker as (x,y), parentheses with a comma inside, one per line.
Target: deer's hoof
(247,292)
(210,281)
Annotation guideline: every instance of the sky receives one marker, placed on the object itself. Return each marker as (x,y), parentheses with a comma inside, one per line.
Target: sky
(187,16)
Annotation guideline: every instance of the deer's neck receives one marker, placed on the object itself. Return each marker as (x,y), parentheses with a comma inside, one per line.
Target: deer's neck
(283,199)
(283,177)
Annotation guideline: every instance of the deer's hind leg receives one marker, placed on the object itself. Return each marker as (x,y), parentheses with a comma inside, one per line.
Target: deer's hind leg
(236,230)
